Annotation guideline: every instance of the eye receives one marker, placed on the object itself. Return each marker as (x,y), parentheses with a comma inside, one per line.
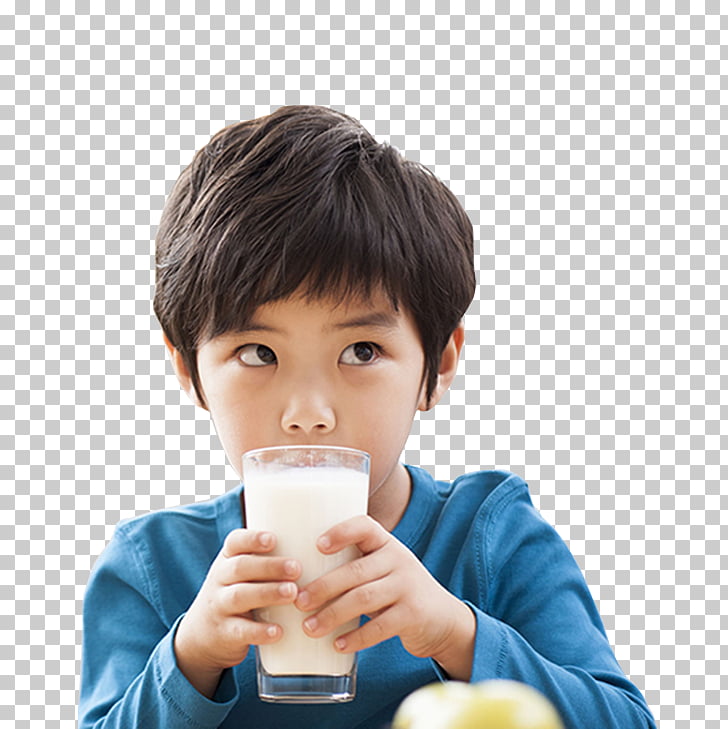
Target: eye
(360,353)
(256,355)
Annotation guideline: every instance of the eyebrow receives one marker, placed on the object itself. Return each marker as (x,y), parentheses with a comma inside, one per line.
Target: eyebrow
(377,319)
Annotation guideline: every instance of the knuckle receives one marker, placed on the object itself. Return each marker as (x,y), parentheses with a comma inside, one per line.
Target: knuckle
(372,523)
(365,596)
(358,526)
(319,588)
(236,631)
(271,593)
(240,632)
(241,567)
(238,535)
(328,616)
(270,568)
(238,598)
(227,545)
(357,569)
(235,542)
(378,629)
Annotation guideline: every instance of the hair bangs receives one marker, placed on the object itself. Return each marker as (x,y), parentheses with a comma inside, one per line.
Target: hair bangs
(319,245)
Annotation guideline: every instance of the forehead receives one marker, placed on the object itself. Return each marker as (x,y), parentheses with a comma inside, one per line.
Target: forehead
(332,313)
(326,315)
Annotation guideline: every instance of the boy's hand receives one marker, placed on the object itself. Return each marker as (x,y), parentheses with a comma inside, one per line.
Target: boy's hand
(219,627)
(394,589)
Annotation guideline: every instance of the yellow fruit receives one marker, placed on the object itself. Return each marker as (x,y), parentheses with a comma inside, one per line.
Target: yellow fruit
(434,706)
(488,705)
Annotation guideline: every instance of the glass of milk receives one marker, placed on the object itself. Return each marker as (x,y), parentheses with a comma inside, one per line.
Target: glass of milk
(298,493)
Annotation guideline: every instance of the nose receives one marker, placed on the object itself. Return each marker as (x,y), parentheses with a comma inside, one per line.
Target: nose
(308,412)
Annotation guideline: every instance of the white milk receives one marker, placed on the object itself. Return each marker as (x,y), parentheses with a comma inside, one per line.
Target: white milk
(298,506)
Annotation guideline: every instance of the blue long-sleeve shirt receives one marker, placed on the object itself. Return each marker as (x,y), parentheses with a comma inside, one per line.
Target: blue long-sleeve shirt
(480,536)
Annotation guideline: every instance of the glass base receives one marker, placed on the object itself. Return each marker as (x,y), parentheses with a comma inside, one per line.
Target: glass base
(306,689)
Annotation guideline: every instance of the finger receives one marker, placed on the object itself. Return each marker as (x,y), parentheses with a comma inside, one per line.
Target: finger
(243,598)
(246,541)
(383,627)
(246,631)
(342,579)
(362,531)
(367,599)
(257,568)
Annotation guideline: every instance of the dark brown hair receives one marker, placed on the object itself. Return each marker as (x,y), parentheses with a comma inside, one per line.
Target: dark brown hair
(306,199)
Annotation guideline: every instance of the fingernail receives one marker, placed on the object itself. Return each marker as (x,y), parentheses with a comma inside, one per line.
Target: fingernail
(290,567)
(272,631)
(303,599)
(265,539)
(324,543)
(340,644)
(310,624)
(287,589)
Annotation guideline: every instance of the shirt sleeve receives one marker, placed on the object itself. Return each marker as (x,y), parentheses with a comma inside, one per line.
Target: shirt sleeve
(537,622)
(129,675)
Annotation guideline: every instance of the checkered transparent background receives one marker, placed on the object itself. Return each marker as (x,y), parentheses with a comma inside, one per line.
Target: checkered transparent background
(586,140)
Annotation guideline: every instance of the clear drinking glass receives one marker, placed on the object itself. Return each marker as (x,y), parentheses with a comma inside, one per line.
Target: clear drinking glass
(297,493)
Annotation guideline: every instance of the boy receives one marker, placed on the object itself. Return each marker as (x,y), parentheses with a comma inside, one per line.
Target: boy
(311,285)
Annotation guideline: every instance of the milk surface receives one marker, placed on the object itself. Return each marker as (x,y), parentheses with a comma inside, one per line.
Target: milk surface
(298,505)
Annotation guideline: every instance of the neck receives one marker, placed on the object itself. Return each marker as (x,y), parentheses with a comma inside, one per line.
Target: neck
(388,503)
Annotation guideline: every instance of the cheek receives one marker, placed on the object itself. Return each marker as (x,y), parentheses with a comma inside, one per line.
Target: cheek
(231,435)
(383,423)
(397,398)
(236,425)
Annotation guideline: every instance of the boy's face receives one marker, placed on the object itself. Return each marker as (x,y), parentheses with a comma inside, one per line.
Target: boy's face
(317,373)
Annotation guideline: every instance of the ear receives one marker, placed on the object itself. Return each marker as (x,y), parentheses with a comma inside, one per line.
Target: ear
(182,372)
(447,369)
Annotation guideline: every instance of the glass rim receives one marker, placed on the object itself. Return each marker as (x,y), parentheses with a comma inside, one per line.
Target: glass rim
(269,449)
